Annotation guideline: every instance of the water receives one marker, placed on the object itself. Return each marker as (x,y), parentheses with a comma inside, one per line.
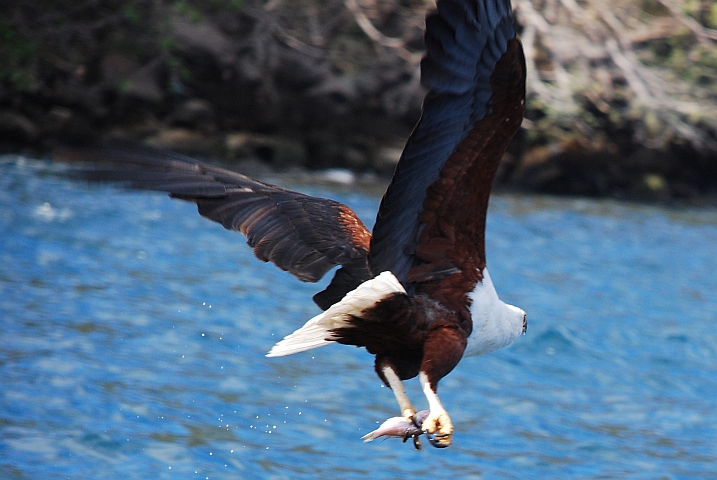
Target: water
(133,333)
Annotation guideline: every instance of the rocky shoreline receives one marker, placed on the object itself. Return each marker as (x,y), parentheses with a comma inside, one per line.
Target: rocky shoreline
(295,85)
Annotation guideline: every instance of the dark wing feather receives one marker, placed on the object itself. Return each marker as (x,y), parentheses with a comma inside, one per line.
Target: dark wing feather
(451,245)
(464,42)
(301,234)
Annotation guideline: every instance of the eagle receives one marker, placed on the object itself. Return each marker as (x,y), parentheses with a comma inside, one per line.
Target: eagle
(415,292)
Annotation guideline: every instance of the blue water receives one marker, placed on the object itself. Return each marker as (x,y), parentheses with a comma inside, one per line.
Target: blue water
(133,333)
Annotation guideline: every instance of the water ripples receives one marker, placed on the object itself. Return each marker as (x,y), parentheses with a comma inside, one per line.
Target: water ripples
(134,332)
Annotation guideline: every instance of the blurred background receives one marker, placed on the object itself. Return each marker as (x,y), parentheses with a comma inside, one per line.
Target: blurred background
(622,95)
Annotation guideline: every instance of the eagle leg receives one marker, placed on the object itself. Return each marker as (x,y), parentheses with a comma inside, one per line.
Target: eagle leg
(437,426)
(443,349)
(409,424)
(394,382)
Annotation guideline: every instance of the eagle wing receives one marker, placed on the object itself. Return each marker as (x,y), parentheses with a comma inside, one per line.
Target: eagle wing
(474,71)
(301,234)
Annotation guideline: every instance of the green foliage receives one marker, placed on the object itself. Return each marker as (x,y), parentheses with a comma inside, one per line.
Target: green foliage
(235,5)
(654,8)
(713,15)
(183,7)
(17,60)
(197,10)
(167,44)
(132,14)
(124,85)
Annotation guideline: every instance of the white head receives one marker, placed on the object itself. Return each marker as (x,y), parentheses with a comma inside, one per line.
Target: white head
(519,314)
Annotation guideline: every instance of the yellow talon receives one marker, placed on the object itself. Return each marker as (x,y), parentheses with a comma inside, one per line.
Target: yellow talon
(439,429)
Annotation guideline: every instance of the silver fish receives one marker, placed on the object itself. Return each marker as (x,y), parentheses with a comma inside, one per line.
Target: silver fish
(401,427)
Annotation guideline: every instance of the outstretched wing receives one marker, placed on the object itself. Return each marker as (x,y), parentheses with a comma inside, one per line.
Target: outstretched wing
(301,234)
(475,74)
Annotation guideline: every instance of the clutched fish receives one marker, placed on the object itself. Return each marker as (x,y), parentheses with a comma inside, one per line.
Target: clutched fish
(403,428)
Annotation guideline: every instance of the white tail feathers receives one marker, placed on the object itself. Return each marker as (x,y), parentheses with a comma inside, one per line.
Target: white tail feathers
(316,332)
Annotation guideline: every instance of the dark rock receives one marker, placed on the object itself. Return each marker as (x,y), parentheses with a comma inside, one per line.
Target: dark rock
(16,128)
(279,151)
(340,89)
(140,123)
(192,113)
(203,39)
(56,119)
(79,129)
(146,82)
(117,67)
(80,97)
(297,72)
(182,140)
(569,169)
(387,158)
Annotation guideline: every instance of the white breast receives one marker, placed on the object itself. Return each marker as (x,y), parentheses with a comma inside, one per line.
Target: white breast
(495,323)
